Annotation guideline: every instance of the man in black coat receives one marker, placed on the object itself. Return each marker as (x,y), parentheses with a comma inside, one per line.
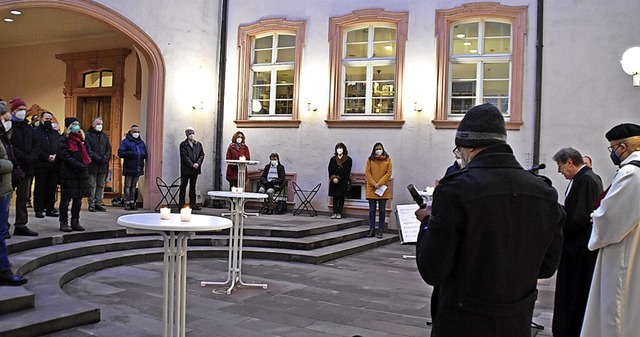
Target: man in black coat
(577,263)
(191,157)
(46,167)
(25,149)
(494,229)
(100,148)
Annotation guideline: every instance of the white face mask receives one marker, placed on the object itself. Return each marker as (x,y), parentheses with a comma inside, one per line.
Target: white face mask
(135,135)
(21,114)
(239,140)
(459,161)
(98,127)
(36,124)
(7,125)
(378,152)
(191,136)
(339,150)
(274,162)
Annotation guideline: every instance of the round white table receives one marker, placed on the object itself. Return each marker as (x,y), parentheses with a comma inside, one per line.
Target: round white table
(234,273)
(175,233)
(242,169)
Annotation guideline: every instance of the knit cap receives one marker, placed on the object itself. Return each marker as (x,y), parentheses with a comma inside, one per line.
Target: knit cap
(482,126)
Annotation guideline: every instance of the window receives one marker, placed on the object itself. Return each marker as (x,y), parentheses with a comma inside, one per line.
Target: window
(270,52)
(367,51)
(480,60)
(98,79)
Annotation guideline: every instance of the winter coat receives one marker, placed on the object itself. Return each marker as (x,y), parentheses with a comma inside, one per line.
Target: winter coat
(614,301)
(341,169)
(190,155)
(25,147)
(378,171)
(48,142)
(6,167)
(74,174)
(100,146)
(493,231)
(134,152)
(278,183)
(234,152)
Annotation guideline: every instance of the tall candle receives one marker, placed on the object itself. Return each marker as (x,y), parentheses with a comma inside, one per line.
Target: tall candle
(242,158)
(165,213)
(185,214)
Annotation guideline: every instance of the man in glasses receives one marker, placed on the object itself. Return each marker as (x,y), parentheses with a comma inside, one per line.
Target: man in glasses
(614,299)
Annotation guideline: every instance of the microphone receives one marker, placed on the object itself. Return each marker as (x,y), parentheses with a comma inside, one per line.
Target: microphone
(416,196)
(538,167)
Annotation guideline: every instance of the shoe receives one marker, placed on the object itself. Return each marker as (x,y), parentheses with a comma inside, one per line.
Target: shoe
(127,208)
(379,233)
(64,226)
(75,225)
(195,207)
(39,215)
(269,211)
(338,216)
(8,278)
(53,213)
(100,208)
(24,231)
(333,216)
(29,204)
(372,233)
(92,209)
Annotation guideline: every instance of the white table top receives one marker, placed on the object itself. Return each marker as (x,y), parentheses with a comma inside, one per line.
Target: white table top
(152,221)
(245,195)
(248,162)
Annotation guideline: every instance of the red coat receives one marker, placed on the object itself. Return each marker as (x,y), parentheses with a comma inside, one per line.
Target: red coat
(234,152)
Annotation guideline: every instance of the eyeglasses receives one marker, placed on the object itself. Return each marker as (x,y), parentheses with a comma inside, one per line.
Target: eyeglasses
(456,151)
(613,149)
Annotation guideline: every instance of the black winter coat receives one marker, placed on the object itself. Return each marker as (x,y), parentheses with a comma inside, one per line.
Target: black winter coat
(134,152)
(100,147)
(494,230)
(278,183)
(48,142)
(25,147)
(343,172)
(74,175)
(189,156)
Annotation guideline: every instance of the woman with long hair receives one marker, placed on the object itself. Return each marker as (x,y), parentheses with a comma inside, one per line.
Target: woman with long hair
(378,172)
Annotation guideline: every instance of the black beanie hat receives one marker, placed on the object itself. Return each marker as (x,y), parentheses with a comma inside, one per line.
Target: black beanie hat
(623,131)
(482,126)
(69,120)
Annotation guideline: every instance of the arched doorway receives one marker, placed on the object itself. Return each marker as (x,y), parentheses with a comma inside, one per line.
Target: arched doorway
(149,52)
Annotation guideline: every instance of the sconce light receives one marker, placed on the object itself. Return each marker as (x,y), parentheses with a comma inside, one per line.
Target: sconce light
(256,106)
(416,108)
(631,64)
(311,108)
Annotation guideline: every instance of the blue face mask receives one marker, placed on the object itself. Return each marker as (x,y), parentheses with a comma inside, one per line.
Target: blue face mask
(614,157)
(75,128)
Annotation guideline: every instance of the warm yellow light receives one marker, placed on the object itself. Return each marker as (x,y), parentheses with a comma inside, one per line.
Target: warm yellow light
(15,12)
(9,20)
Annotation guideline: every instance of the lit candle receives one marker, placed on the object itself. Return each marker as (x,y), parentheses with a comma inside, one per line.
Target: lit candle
(165,213)
(234,189)
(242,158)
(240,189)
(185,214)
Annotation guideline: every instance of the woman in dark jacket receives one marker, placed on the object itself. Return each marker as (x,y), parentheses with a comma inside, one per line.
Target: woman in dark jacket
(74,176)
(238,148)
(272,180)
(133,151)
(339,178)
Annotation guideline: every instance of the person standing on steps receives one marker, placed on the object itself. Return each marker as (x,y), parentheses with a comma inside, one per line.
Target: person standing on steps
(134,152)
(100,147)
(191,158)
(339,178)
(378,172)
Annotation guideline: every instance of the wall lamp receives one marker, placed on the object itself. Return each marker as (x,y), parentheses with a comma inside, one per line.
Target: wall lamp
(416,107)
(311,108)
(631,64)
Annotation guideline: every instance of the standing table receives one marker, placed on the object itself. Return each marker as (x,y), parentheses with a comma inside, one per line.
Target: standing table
(175,234)
(234,273)
(242,169)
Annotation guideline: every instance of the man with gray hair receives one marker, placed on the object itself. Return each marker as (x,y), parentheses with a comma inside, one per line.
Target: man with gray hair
(577,261)
(191,157)
(100,149)
(494,229)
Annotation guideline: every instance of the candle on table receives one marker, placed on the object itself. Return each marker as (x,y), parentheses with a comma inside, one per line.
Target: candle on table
(242,158)
(185,214)
(165,213)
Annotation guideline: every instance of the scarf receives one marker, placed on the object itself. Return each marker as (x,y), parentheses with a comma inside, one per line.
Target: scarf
(75,144)
(341,160)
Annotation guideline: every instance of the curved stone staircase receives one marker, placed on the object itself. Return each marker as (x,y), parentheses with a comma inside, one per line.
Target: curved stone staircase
(49,262)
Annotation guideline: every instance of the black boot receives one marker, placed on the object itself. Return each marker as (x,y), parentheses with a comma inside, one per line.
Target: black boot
(64,226)
(379,233)
(371,233)
(75,225)
(8,278)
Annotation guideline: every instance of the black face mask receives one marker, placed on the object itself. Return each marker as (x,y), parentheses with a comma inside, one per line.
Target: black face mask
(47,124)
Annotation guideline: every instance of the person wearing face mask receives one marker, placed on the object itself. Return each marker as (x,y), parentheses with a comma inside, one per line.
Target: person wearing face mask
(25,149)
(75,157)
(493,230)
(238,148)
(378,172)
(46,167)
(100,148)
(613,297)
(133,151)
(191,158)
(272,180)
(16,175)
(339,178)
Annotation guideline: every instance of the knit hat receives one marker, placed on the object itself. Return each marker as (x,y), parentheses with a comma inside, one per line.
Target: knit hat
(482,126)
(16,102)
(69,120)
(623,131)
(3,107)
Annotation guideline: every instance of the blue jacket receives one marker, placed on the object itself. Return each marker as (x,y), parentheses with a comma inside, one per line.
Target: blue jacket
(134,152)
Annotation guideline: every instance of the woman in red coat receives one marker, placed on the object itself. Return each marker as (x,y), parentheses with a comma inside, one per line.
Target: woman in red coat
(238,148)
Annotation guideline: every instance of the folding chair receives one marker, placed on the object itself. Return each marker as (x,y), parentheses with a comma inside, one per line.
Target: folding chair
(305,196)
(169,192)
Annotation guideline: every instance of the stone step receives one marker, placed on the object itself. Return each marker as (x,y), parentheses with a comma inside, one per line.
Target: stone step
(14,299)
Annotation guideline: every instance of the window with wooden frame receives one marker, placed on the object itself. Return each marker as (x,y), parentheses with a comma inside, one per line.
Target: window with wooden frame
(367,52)
(270,52)
(480,59)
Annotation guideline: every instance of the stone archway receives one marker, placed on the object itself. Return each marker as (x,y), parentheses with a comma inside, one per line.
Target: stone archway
(156,72)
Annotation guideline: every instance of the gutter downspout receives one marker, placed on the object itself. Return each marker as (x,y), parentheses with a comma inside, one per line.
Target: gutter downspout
(538,90)
(222,69)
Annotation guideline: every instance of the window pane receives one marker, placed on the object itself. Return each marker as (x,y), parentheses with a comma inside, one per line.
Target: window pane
(354,106)
(384,49)
(501,102)
(463,89)
(92,79)
(381,73)
(264,42)
(284,76)
(495,88)
(286,55)
(356,89)
(383,81)
(260,107)
(284,107)
(382,106)
(262,56)
(358,35)
(464,39)
(497,38)
(286,41)
(384,34)
(496,71)
(356,50)
(463,71)
(263,49)
(460,106)
(261,77)
(355,74)
(284,91)
(107,79)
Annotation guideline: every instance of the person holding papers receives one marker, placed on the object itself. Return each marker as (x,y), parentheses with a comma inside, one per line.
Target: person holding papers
(378,172)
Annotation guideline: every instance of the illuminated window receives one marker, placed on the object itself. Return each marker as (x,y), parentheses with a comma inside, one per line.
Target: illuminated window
(98,79)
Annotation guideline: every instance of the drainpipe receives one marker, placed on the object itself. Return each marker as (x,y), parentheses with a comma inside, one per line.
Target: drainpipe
(217,178)
(538,91)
